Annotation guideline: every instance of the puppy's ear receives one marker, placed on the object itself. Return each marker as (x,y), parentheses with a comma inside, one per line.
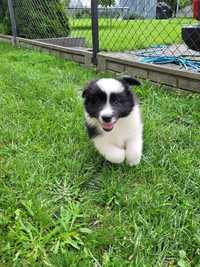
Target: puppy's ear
(84,92)
(89,87)
(128,80)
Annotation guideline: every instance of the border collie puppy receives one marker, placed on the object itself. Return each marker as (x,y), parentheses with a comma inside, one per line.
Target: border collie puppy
(113,119)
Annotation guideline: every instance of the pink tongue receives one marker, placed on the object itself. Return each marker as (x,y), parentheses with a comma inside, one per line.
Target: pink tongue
(107,126)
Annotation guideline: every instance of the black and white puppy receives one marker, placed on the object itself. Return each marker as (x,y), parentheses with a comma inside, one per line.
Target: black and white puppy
(113,119)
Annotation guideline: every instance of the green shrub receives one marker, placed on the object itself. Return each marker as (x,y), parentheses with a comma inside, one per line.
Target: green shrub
(5,26)
(106,3)
(41,19)
(84,13)
(184,3)
(38,19)
(3,9)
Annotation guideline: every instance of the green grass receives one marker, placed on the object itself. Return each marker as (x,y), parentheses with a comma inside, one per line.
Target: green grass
(128,35)
(132,34)
(62,204)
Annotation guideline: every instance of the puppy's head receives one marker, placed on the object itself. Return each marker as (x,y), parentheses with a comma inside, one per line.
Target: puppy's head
(107,100)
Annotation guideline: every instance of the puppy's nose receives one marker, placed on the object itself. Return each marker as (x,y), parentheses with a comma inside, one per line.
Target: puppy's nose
(106,118)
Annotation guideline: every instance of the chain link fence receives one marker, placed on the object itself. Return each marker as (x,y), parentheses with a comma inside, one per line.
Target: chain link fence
(80,21)
(150,27)
(39,19)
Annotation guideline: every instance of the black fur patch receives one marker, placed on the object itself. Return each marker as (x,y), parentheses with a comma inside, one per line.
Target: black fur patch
(95,99)
(129,81)
(122,103)
(92,131)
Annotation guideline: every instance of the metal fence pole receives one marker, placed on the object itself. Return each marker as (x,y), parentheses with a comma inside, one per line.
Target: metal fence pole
(95,30)
(13,22)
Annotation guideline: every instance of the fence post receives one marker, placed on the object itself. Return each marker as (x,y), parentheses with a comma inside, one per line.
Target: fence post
(13,22)
(95,30)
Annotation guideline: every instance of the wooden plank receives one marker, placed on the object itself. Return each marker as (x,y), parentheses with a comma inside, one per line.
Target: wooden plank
(189,84)
(137,72)
(101,63)
(119,62)
(114,66)
(78,58)
(129,60)
(166,75)
(88,61)
(75,51)
(162,78)
(66,55)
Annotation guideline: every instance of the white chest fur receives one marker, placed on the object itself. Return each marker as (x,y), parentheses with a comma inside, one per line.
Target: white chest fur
(124,141)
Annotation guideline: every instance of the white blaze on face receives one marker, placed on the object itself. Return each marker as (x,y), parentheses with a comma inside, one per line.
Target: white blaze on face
(109,86)
(107,111)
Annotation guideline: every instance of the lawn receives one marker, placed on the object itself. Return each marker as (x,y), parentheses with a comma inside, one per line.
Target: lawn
(128,35)
(132,34)
(62,204)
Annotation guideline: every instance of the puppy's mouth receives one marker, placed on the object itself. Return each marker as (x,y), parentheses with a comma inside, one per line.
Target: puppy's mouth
(107,126)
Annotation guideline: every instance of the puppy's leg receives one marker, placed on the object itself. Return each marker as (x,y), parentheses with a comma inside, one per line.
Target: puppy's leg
(134,151)
(112,153)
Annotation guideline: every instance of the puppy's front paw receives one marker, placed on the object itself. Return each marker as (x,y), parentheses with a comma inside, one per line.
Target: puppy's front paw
(133,161)
(133,155)
(118,156)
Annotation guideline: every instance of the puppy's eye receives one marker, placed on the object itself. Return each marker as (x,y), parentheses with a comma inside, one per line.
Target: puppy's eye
(93,101)
(114,99)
